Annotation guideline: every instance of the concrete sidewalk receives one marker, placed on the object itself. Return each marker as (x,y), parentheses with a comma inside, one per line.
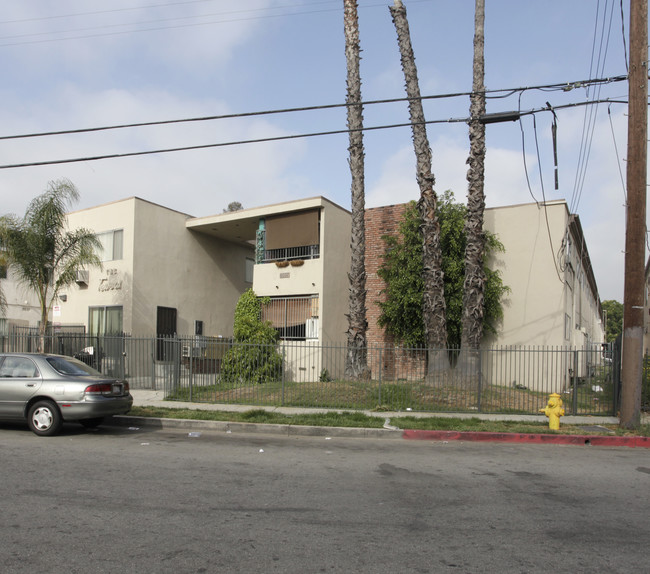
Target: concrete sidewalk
(145,398)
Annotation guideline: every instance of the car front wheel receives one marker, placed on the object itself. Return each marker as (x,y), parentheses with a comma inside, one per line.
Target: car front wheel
(44,418)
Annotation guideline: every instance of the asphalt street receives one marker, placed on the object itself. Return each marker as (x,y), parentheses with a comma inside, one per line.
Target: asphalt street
(141,499)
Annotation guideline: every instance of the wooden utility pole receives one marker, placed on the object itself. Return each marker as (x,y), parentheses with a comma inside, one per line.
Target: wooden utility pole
(637,152)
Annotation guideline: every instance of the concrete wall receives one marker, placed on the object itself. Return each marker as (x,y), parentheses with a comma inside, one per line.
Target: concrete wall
(335,253)
(112,285)
(200,276)
(534,312)
(23,308)
(163,264)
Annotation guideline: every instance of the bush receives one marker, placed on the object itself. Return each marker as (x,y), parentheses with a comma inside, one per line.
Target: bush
(254,357)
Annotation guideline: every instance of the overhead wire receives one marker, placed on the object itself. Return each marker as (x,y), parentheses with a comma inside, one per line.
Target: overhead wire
(598,58)
(271,139)
(564,86)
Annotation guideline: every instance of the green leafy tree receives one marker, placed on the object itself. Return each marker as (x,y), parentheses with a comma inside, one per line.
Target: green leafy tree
(233,206)
(402,272)
(43,254)
(614,325)
(254,356)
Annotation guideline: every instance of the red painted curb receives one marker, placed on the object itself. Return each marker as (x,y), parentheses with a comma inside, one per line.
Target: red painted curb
(593,440)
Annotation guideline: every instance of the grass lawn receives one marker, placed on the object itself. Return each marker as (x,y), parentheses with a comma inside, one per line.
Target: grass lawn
(361,420)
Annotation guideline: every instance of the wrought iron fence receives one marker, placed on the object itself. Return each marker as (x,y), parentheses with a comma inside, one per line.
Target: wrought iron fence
(307,374)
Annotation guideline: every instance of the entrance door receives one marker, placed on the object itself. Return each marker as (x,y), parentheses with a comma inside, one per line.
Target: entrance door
(165,330)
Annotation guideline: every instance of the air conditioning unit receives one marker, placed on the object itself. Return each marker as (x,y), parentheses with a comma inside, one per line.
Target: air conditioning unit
(311,328)
(82,277)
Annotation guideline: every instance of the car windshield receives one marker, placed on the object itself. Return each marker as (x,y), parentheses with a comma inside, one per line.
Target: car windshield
(69,366)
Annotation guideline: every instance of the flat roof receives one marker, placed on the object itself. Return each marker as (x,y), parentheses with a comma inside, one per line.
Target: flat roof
(241,226)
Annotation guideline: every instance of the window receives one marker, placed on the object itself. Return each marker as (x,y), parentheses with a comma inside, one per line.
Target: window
(112,242)
(250,264)
(105,321)
(294,317)
(18,367)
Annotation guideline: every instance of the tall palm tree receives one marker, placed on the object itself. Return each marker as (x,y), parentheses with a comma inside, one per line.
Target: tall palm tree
(474,287)
(433,309)
(356,365)
(43,254)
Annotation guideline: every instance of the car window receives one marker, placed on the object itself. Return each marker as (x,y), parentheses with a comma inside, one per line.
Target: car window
(18,367)
(69,366)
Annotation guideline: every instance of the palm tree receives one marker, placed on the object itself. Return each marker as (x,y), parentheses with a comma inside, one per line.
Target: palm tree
(474,287)
(42,253)
(433,309)
(356,365)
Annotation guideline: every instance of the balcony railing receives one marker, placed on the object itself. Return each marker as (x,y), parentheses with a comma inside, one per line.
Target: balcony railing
(289,253)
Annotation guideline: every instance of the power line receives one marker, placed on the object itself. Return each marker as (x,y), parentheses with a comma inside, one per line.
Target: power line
(223,18)
(276,138)
(564,86)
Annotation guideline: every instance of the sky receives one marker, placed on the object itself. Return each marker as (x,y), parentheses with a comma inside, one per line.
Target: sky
(76,64)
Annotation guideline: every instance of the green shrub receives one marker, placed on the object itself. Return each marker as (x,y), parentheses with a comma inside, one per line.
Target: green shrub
(254,357)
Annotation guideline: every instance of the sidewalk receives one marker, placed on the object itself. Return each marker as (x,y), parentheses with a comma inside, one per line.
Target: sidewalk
(144,398)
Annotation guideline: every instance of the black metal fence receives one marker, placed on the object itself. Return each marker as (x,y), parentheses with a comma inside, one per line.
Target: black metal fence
(305,373)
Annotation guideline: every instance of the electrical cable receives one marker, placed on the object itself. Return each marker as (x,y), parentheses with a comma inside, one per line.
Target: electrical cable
(272,139)
(557,86)
(618,158)
(544,206)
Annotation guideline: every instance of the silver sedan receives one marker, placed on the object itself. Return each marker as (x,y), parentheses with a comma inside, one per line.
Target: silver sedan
(46,390)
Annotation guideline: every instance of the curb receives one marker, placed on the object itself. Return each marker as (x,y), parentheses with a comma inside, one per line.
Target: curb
(279,429)
(442,436)
(583,440)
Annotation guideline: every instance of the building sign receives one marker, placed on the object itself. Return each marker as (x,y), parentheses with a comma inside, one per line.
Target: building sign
(112,281)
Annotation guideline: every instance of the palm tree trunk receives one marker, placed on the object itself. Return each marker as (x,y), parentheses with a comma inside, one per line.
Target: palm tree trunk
(474,287)
(356,366)
(433,308)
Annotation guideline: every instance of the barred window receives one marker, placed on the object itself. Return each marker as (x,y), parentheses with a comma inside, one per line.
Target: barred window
(294,317)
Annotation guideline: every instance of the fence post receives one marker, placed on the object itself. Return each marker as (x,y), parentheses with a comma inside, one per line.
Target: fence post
(381,370)
(191,365)
(575,383)
(480,378)
(284,358)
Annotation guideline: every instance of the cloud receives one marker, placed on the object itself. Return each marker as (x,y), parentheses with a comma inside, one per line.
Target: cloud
(198,182)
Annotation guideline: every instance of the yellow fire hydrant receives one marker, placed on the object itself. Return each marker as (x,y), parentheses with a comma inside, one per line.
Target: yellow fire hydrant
(553,410)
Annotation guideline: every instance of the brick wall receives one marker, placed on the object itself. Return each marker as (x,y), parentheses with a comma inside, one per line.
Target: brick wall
(380,221)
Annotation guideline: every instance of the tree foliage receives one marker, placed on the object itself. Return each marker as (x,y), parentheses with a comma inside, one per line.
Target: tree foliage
(42,253)
(614,325)
(401,270)
(254,356)
(233,206)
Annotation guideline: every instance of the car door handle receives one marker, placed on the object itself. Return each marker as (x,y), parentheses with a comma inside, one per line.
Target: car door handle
(30,384)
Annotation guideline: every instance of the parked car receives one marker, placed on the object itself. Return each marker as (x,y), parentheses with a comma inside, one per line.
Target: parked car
(46,390)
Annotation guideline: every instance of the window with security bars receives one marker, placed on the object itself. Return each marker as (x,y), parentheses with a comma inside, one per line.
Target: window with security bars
(295,318)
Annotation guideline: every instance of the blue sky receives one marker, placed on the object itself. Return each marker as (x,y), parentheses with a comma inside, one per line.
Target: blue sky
(77,64)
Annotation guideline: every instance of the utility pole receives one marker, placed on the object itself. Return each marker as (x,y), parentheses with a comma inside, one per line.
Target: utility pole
(637,152)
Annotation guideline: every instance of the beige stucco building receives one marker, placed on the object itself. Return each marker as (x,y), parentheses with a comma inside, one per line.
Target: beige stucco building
(166,272)
(158,276)
(23,309)
(554,299)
